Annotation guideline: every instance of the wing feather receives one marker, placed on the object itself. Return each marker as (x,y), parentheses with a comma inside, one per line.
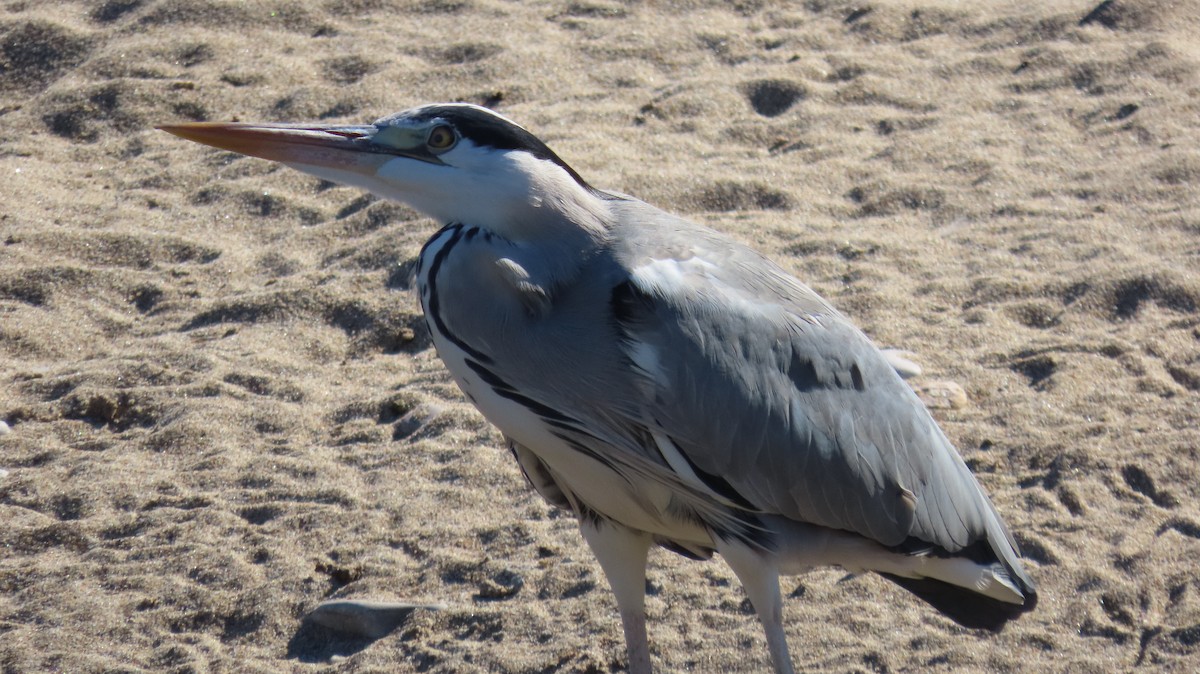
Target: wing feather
(761,382)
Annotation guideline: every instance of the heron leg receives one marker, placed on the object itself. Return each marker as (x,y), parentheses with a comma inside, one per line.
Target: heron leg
(622,554)
(760,580)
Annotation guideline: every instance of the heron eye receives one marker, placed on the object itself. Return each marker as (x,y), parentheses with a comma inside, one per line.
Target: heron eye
(441,138)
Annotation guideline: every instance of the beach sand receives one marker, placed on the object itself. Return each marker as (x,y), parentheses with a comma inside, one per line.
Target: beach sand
(222,406)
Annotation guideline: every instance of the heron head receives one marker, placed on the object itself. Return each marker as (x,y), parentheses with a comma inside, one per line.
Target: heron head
(454,162)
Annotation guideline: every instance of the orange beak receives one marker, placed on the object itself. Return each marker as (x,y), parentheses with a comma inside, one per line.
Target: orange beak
(345,148)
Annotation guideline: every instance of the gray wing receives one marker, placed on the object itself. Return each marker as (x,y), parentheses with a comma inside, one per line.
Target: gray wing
(767,390)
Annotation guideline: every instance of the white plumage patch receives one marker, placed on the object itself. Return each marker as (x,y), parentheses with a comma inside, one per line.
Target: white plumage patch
(645,358)
(693,277)
(667,277)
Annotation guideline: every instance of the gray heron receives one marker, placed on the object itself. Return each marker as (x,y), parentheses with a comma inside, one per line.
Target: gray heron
(665,383)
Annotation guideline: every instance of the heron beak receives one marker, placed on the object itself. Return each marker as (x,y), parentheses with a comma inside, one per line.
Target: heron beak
(354,149)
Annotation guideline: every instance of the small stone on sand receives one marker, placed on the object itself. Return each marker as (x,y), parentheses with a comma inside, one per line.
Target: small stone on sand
(365,618)
(942,395)
(901,361)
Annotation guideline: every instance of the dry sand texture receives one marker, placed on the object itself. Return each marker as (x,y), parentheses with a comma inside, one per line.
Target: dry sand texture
(224,408)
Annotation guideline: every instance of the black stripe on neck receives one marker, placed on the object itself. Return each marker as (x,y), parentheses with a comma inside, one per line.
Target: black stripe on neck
(433,302)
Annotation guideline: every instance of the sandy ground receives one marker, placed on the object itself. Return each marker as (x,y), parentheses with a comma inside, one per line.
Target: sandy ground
(223,408)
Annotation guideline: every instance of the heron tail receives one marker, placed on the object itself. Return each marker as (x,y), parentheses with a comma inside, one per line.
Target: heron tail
(971,607)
